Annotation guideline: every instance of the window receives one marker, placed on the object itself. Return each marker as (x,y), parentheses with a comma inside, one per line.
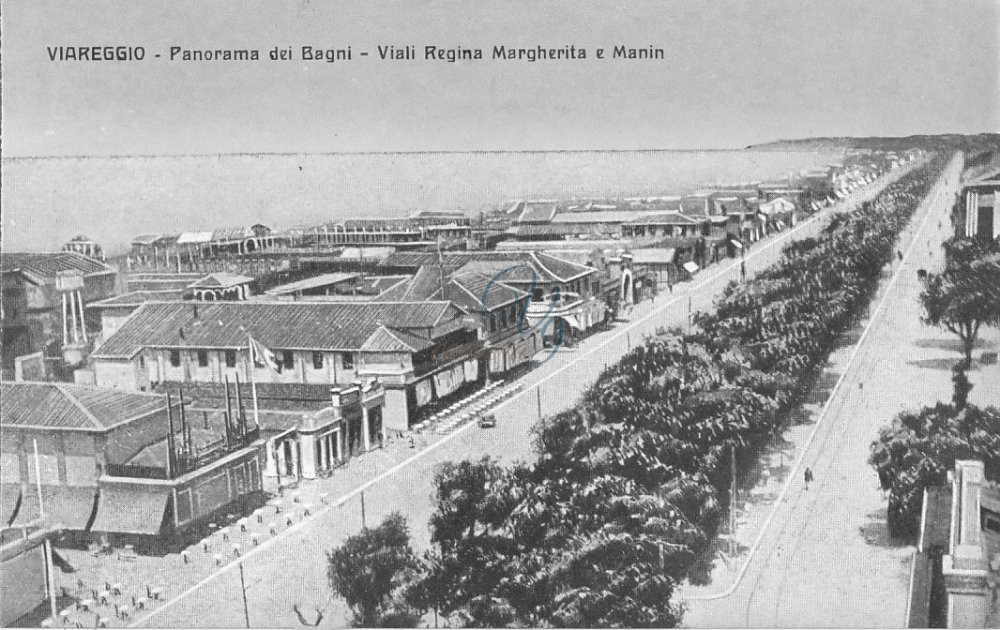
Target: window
(175,358)
(317,360)
(287,359)
(230,358)
(347,361)
(202,358)
(142,362)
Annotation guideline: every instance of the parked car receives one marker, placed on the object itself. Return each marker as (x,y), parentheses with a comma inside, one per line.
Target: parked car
(487,421)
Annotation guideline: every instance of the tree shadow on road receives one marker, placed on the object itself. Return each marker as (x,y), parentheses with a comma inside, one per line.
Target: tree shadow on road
(950,345)
(939,364)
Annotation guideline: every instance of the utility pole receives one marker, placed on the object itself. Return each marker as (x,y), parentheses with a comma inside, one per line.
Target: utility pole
(732,501)
(689,313)
(363,526)
(538,398)
(47,549)
(243,589)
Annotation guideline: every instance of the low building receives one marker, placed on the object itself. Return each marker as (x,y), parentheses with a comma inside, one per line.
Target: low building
(322,343)
(108,463)
(78,432)
(113,311)
(309,429)
(220,286)
(977,214)
(668,224)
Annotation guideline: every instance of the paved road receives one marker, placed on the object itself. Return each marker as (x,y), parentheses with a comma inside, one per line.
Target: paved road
(826,558)
(291,569)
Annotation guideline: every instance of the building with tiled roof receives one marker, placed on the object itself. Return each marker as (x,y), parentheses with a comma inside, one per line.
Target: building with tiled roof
(79,430)
(312,342)
(42,273)
(536,212)
(220,285)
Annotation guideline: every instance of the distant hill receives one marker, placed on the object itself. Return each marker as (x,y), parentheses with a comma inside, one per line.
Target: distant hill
(950,141)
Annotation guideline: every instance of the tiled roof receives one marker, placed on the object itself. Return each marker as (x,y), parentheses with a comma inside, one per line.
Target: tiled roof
(136,298)
(654,256)
(551,229)
(462,287)
(670,218)
(219,280)
(46,266)
(67,406)
(610,216)
(394,340)
(277,325)
(537,212)
(314,282)
(547,266)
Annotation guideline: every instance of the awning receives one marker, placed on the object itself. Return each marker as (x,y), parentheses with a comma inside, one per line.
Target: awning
(572,321)
(691,266)
(9,493)
(69,506)
(131,509)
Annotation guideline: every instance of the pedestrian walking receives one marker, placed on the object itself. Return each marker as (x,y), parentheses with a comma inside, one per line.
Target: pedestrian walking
(743,271)
(899,254)
(670,285)
(808,476)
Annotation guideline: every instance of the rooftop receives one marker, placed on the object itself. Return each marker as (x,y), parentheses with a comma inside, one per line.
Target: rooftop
(68,406)
(314,282)
(45,267)
(340,326)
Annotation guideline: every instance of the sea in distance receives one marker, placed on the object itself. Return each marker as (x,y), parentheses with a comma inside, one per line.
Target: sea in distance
(47,201)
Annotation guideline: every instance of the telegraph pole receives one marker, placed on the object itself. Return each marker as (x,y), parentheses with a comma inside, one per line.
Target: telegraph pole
(538,398)
(363,526)
(243,589)
(732,501)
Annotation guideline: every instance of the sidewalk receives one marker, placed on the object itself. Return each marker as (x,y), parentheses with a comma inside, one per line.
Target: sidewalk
(825,557)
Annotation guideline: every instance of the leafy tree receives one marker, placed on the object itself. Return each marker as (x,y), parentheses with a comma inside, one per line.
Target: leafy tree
(918,450)
(368,569)
(962,299)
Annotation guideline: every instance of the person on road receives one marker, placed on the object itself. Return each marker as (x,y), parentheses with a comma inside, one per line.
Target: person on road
(743,271)
(808,476)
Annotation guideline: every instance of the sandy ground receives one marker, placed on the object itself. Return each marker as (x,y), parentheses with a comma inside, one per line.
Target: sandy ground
(289,568)
(826,558)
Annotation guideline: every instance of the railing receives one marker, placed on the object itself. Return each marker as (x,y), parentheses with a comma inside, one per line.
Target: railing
(203,456)
(137,471)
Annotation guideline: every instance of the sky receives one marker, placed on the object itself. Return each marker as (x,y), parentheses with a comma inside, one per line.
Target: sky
(734,73)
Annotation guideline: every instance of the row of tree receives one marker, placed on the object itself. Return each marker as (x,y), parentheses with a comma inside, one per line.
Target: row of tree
(919,448)
(623,501)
